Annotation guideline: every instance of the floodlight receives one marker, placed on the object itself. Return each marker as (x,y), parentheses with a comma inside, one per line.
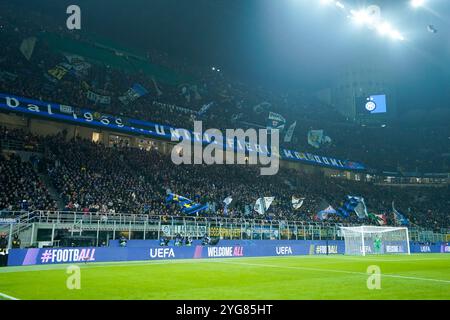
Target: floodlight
(384,28)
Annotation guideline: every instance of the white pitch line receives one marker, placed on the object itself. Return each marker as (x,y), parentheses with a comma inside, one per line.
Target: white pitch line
(332,270)
(389,260)
(7,297)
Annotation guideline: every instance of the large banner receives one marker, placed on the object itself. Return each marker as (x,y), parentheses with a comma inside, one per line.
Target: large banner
(22,257)
(445,248)
(8,221)
(86,117)
(146,250)
(98,98)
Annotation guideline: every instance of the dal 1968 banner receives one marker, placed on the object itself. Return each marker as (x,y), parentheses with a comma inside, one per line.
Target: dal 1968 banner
(58,112)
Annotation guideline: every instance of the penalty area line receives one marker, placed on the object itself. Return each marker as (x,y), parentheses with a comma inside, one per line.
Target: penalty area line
(7,296)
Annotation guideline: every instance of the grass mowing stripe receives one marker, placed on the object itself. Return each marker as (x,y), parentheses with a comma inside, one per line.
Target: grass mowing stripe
(286,277)
(60,266)
(46,267)
(333,270)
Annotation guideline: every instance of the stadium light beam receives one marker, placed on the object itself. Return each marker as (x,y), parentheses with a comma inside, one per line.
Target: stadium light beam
(361,17)
(340,5)
(396,35)
(384,28)
(417,3)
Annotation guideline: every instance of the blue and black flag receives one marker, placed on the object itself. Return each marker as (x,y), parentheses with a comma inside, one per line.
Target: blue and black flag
(187,206)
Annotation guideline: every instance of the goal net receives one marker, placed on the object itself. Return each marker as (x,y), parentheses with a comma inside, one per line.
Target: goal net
(365,240)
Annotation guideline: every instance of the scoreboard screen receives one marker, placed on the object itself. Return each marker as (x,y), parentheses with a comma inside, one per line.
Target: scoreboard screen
(372,104)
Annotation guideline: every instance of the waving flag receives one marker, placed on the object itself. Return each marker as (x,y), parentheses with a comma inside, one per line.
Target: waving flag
(297,202)
(263,204)
(157,89)
(360,209)
(80,67)
(353,204)
(324,210)
(98,97)
(382,220)
(133,94)
(378,218)
(27,47)
(290,132)
(204,109)
(259,206)
(400,219)
(317,138)
(268,201)
(58,72)
(323,214)
(261,107)
(187,206)
(227,202)
(275,121)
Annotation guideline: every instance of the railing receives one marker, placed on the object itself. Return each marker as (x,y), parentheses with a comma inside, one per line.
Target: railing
(23,221)
(66,216)
(139,226)
(104,227)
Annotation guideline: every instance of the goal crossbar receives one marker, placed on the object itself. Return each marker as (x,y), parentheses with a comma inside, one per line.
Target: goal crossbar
(364,240)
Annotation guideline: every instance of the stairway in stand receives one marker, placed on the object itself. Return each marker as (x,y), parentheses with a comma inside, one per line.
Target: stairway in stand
(52,191)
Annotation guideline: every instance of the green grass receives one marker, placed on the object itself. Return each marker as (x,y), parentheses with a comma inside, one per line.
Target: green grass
(417,276)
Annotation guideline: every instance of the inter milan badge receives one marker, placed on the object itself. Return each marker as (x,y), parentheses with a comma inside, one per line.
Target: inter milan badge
(370,106)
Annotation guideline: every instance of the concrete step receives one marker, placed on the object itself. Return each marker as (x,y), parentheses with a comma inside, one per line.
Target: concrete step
(52,191)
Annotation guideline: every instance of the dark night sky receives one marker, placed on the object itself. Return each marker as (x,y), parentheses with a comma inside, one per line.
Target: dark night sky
(281,43)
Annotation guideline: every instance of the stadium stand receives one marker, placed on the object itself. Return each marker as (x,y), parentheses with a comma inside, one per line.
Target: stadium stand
(234,102)
(91,177)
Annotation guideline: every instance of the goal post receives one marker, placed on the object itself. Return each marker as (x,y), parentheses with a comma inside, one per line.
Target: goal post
(368,240)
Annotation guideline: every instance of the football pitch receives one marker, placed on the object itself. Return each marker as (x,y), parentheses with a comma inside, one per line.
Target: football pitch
(418,276)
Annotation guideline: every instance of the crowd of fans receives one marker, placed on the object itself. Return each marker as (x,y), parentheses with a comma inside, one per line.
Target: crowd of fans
(414,149)
(21,189)
(93,178)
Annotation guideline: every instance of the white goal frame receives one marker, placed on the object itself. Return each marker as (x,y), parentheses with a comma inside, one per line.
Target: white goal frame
(357,236)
